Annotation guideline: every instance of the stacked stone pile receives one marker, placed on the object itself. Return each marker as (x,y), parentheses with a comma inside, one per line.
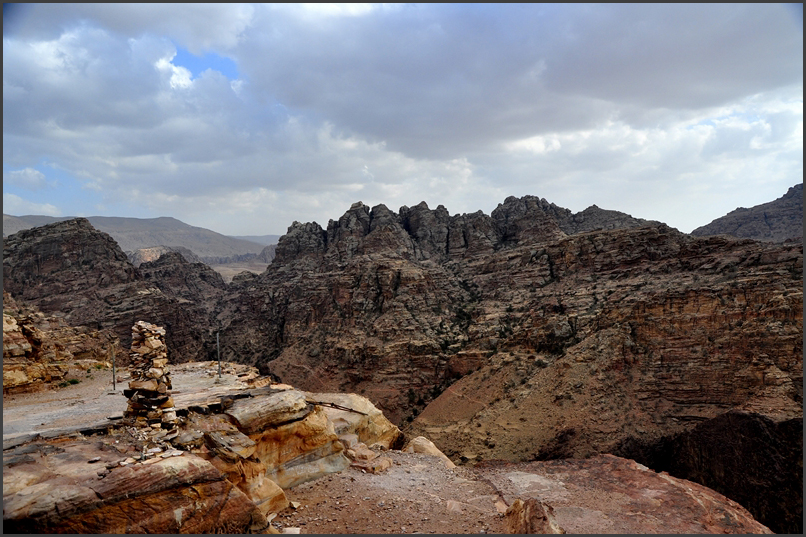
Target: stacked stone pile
(149,393)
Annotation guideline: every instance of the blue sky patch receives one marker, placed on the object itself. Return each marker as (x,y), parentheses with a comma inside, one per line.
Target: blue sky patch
(198,64)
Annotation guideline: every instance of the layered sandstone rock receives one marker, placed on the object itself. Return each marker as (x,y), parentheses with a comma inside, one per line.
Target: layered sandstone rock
(183,494)
(38,350)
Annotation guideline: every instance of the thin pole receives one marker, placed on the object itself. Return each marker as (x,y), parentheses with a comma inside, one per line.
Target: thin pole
(114,371)
(218,352)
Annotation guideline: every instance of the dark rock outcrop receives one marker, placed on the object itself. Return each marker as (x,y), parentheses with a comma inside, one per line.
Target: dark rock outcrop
(71,268)
(756,460)
(775,221)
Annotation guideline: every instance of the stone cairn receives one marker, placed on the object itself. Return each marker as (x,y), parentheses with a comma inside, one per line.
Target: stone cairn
(149,393)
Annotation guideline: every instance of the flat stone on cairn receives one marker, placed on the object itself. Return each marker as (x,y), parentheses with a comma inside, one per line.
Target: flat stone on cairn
(149,393)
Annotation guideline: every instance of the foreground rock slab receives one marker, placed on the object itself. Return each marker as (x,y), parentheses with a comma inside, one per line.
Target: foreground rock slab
(608,494)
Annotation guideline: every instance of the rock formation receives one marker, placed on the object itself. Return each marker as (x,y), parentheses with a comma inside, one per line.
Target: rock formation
(223,470)
(144,255)
(607,494)
(775,221)
(39,350)
(150,401)
(520,335)
(81,273)
(239,454)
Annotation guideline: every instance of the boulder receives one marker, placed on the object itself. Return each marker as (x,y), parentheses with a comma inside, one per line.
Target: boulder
(422,444)
(353,414)
(531,516)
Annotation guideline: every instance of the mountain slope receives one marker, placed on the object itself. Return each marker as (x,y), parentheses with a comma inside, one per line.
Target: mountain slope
(775,221)
(136,233)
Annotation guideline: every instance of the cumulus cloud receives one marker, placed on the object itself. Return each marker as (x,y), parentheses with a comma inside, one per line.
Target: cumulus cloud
(27,178)
(665,112)
(13,204)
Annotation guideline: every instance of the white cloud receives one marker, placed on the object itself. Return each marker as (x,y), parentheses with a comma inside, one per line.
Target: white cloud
(13,204)
(27,178)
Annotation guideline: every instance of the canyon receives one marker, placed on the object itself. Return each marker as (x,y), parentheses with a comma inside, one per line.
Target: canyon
(531,334)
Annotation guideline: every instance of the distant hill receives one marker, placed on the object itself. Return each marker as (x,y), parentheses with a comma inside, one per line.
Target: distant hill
(265,240)
(133,234)
(775,221)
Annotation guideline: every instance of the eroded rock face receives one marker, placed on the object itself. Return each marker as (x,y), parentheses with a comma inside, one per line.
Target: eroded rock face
(38,350)
(71,268)
(224,469)
(174,495)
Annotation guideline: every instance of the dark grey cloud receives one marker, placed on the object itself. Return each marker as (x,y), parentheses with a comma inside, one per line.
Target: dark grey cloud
(459,105)
(441,80)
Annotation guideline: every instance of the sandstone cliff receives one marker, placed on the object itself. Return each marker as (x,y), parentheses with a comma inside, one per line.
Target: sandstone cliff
(565,345)
(38,350)
(775,221)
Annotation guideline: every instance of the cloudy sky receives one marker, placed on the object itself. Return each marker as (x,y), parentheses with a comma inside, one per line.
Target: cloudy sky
(244,118)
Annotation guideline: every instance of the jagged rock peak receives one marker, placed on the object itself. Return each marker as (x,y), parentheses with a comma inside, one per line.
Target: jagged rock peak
(301,240)
(424,234)
(525,218)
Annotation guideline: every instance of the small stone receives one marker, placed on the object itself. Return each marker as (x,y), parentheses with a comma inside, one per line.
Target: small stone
(94,459)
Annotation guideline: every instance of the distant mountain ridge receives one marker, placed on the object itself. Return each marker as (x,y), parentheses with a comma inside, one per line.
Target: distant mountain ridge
(775,221)
(134,234)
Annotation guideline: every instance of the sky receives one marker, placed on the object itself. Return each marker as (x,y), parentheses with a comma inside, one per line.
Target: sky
(244,118)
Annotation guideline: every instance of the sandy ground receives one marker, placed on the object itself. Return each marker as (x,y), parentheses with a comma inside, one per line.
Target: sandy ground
(231,269)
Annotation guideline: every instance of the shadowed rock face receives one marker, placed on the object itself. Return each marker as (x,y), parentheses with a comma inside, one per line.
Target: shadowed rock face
(751,458)
(775,221)
(71,268)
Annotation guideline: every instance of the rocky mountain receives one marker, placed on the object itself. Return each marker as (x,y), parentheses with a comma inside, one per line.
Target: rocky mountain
(71,269)
(133,234)
(775,221)
(564,345)
(531,333)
